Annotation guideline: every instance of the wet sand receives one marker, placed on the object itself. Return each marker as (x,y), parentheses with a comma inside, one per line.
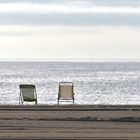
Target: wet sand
(70,122)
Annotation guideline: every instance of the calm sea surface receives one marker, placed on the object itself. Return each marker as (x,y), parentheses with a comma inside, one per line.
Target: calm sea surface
(95,82)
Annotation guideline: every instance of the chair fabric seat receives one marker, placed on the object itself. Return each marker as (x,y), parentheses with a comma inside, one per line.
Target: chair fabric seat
(27,99)
(63,98)
(66,91)
(27,93)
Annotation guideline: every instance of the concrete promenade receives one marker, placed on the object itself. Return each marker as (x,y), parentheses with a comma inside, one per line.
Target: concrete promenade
(70,122)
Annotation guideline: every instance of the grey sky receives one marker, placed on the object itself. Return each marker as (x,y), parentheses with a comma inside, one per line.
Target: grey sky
(70,19)
(54,28)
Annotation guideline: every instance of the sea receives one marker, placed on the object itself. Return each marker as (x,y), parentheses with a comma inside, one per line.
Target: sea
(95,82)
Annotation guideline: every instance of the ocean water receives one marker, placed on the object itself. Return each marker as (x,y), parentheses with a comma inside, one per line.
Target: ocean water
(95,82)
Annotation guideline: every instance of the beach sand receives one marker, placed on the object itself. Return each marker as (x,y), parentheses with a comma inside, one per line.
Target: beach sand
(70,122)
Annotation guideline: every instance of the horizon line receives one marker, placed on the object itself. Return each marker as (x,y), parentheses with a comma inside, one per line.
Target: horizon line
(67,59)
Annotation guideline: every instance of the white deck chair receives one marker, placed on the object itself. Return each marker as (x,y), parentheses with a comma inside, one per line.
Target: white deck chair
(27,94)
(66,92)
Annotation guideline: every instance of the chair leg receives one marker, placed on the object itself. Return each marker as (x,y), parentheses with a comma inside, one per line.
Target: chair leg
(35,102)
(58,100)
(19,100)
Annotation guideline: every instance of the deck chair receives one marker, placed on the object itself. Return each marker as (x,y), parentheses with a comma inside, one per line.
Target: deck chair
(27,94)
(66,92)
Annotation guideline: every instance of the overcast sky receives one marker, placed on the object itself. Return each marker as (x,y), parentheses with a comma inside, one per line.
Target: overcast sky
(51,29)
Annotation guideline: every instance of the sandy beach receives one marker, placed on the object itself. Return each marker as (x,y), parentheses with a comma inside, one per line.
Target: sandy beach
(70,122)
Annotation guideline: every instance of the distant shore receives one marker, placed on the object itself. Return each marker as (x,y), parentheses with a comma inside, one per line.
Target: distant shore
(70,122)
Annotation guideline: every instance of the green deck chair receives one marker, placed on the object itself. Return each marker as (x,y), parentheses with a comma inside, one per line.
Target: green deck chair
(27,94)
(66,92)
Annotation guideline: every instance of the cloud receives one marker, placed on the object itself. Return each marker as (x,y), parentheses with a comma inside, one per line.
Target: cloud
(70,19)
(95,2)
(66,8)
(70,12)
